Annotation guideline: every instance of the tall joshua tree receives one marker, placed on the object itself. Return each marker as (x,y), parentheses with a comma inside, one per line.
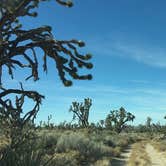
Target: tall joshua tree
(81,111)
(18,49)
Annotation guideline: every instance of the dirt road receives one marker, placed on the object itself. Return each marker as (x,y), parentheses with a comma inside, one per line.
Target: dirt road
(157,158)
(122,160)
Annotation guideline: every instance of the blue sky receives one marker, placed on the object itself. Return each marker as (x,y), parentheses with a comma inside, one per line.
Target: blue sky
(128,43)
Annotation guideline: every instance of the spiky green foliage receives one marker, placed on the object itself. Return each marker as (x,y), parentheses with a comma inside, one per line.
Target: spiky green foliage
(81,111)
(117,119)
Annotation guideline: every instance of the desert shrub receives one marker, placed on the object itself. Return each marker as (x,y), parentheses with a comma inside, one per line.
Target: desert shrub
(96,137)
(26,150)
(69,158)
(103,162)
(48,142)
(4,142)
(117,151)
(24,156)
(116,140)
(88,150)
(109,141)
(160,145)
(122,142)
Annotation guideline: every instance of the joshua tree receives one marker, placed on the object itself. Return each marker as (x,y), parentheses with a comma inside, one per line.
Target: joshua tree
(18,49)
(15,46)
(165,117)
(117,119)
(81,111)
(48,120)
(148,122)
(101,123)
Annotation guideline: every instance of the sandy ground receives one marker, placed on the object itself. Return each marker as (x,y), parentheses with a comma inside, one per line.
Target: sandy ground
(157,158)
(122,160)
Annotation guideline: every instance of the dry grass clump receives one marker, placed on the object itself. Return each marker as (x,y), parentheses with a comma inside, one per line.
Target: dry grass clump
(103,162)
(91,146)
(61,159)
(160,145)
(77,148)
(48,143)
(139,157)
(118,142)
(4,142)
(88,150)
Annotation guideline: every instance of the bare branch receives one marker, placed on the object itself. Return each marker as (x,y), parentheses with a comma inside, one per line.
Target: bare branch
(14,112)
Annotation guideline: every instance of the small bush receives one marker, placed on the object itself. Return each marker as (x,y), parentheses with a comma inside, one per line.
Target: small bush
(28,157)
(160,145)
(49,143)
(109,142)
(87,149)
(102,162)
(61,159)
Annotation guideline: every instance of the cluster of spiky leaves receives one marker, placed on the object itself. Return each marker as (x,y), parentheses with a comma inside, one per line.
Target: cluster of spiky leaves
(81,111)
(16,42)
(13,112)
(13,38)
(18,48)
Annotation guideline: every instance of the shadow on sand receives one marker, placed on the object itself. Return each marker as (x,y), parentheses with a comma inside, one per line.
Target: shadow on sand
(118,162)
(122,160)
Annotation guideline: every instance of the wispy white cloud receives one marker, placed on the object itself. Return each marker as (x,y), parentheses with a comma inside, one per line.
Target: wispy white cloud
(140,100)
(148,54)
(140,51)
(140,81)
(97,89)
(140,96)
(111,90)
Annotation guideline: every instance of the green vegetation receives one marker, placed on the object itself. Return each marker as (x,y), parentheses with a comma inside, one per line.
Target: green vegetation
(18,48)
(117,119)
(24,143)
(81,111)
(73,144)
